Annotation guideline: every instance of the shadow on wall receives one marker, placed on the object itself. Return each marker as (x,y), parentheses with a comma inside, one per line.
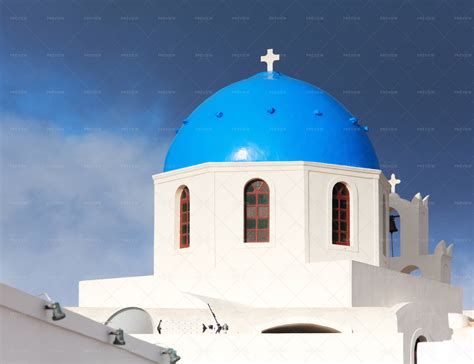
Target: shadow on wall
(300,328)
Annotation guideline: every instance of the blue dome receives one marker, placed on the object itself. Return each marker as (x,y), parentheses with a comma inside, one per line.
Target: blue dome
(271,117)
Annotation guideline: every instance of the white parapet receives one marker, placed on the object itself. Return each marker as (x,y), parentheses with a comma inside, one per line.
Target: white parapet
(29,335)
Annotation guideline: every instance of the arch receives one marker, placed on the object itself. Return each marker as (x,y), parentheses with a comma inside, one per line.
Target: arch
(132,320)
(395,235)
(322,323)
(300,328)
(256,212)
(412,270)
(184,226)
(340,214)
(420,339)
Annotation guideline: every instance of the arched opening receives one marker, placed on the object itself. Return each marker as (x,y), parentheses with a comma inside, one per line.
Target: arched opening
(446,274)
(132,320)
(184,218)
(300,328)
(394,229)
(421,339)
(412,270)
(384,225)
(340,214)
(256,212)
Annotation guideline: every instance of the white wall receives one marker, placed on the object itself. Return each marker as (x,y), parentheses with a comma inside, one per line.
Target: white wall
(366,187)
(28,335)
(375,286)
(348,348)
(346,295)
(459,350)
(216,215)
(300,216)
(413,226)
(324,284)
(288,285)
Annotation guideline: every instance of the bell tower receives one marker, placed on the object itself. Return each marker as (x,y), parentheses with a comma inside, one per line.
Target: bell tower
(413,226)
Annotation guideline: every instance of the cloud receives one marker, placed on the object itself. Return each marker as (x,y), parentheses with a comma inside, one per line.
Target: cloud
(74,206)
(79,207)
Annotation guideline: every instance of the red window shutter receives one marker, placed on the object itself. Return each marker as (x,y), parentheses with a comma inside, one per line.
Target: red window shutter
(340,214)
(184,219)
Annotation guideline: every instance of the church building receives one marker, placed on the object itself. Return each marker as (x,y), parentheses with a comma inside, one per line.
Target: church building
(278,239)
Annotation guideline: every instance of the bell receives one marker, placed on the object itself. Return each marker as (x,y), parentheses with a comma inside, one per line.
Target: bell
(393,225)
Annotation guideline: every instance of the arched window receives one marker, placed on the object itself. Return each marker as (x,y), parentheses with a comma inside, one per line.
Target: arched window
(340,214)
(184,221)
(384,226)
(257,212)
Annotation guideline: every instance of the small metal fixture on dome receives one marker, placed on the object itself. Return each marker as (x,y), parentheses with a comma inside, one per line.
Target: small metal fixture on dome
(269,58)
(271,110)
(354,120)
(185,121)
(297,105)
(365,127)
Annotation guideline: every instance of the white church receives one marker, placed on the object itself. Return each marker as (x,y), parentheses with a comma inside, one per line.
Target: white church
(273,242)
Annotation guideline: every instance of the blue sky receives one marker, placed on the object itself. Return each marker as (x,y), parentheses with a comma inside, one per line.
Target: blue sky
(92,91)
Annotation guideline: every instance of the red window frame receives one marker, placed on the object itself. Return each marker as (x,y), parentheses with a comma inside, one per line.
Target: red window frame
(340,214)
(184,221)
(256,212)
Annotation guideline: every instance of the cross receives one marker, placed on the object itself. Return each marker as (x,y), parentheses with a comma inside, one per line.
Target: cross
(393,182)
(269,58)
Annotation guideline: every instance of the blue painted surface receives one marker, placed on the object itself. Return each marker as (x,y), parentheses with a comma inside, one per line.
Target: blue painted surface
(271,117)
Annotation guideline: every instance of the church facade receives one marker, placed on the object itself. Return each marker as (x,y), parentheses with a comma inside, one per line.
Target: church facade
(272,220)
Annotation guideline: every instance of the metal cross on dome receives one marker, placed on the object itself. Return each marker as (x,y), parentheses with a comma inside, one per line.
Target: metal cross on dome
(393,182)
(269,58)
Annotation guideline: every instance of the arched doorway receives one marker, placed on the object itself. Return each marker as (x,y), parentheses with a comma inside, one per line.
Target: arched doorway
(421,339)
(300,328)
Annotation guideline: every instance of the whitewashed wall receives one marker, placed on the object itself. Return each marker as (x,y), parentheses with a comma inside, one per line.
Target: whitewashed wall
(28,335)
(413,227)
(300,216)
(365,186)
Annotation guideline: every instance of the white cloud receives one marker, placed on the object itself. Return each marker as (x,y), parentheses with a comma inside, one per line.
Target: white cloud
(74,206)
